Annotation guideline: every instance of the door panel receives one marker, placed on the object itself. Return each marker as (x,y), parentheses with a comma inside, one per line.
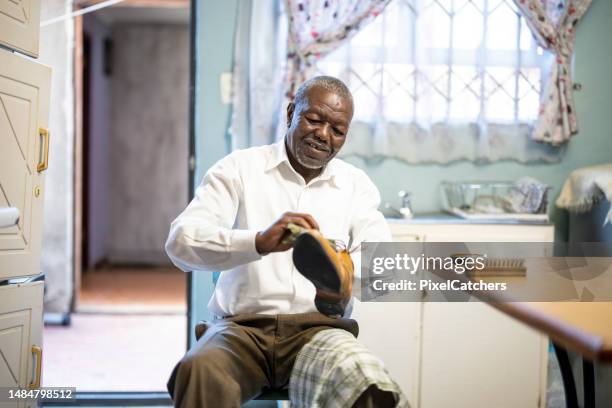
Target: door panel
(474,353)
(24,95)
(20,328)
(19,25)
(14,336)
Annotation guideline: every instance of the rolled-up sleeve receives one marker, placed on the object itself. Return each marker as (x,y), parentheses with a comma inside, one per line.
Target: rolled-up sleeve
(202,237)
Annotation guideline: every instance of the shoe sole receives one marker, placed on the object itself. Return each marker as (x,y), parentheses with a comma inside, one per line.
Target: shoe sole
(312,261)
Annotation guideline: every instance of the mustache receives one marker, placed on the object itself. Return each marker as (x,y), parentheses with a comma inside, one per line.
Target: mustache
(317,144)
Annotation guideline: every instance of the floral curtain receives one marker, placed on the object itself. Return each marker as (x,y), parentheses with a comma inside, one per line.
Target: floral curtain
(553,23)
(318,27)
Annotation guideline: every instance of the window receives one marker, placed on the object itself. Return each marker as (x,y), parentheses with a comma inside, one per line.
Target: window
(451,62)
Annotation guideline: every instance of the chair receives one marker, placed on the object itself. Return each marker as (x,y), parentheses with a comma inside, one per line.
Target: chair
(267,394)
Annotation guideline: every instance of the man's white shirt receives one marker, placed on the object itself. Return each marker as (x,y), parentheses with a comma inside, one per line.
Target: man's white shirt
(247,191)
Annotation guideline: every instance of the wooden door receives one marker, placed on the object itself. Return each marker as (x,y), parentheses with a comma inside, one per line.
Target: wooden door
(24,105)
(19,25)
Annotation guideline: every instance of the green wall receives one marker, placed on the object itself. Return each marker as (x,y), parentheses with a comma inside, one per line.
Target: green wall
(215,37)
(214,47)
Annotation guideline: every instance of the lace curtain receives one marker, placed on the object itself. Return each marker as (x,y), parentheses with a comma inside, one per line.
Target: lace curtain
(258,72)
(441,81)
(435,81)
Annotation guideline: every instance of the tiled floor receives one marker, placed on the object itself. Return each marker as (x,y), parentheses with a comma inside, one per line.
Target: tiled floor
(128,334)
(114,352)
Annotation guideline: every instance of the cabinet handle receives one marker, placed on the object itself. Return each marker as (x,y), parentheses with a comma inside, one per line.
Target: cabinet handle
(38,353)
(45,163)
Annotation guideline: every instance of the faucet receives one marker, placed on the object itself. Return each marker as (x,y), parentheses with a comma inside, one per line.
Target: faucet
(406,208)
(405,211)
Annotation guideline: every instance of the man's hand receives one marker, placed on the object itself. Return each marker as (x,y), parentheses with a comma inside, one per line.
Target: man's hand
(271,239)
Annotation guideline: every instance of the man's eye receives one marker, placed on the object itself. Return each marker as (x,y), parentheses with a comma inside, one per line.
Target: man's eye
(311,120)
(338,132)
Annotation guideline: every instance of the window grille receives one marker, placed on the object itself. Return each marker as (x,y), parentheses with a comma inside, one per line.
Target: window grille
(455,62)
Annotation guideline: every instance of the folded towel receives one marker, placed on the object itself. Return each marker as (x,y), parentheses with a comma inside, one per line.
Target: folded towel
(528,195)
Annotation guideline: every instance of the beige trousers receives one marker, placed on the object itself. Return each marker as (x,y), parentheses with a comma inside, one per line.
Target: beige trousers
(239,356)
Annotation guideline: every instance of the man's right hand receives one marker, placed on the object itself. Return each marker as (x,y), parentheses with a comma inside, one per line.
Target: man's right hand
(271,239)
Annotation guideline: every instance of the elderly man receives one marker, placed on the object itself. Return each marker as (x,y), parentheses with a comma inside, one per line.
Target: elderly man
(267,332)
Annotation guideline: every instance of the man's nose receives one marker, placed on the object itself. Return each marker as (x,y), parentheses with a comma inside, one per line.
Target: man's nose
(323,133)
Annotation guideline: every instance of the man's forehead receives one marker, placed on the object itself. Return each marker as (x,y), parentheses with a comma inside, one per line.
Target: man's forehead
(319,91)
(319,98)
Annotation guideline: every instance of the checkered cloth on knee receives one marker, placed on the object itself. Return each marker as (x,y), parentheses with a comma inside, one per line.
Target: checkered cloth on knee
(334,369)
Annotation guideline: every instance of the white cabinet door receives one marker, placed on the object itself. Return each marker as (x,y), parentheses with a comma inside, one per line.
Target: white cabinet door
(20,25)
(21,335)
(24,105)
(467,355)
(476,357)
(391,331)
(474,352)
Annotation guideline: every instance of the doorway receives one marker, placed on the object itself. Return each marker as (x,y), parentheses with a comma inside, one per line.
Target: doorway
(131,180)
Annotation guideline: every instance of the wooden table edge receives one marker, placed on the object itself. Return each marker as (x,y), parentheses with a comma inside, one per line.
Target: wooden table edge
(570,337)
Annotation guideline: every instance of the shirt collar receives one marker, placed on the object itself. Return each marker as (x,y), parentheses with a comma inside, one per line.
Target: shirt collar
(278,155)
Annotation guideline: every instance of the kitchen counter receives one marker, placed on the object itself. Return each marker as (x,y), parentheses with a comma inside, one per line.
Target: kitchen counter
(444,218)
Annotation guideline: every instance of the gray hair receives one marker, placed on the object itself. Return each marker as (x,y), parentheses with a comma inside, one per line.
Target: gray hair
(331,84)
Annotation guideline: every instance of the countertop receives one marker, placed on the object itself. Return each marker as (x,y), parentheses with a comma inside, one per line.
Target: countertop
(444,218)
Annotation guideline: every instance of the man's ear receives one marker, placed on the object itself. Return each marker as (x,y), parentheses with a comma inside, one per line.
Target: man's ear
(290,110)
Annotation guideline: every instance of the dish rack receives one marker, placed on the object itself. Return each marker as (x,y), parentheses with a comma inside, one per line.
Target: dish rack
(485,200)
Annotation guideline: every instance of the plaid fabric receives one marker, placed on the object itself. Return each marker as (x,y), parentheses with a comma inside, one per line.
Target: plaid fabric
(334,369)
